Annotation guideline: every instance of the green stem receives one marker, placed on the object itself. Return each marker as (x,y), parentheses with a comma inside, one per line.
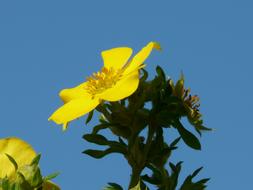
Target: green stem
(151,132)
(136,170)
(135,177)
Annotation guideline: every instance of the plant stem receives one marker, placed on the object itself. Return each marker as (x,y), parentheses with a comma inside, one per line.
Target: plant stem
(151,132)
(136,170)
(135,177)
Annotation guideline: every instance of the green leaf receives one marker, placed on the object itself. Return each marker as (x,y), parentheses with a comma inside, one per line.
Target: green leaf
(101,140)
(164,118)
(175,174)
(96,138)
(51,176)
(101,153)
(203,181)
(156,172)
(12,160)
(21,183)
(161,73)
(119,130)
(36,160)
(187,136)
(105,115)
(188,184)
(36,179)
(113,186)
(196,171)
(122,142)
(89,117)
(171,84)
(152,180)
(95,153)
(169,87)
(174,143)
(144,76)
(203,128)
(99,127)
(5,183)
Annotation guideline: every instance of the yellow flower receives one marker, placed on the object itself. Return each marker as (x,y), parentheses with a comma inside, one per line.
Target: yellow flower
(21,151)
(23,154)
(118,79)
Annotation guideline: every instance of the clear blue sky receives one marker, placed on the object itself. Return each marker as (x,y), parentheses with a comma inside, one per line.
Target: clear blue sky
(49,45)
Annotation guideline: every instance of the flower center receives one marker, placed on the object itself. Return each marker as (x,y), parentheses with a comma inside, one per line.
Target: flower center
(102,80)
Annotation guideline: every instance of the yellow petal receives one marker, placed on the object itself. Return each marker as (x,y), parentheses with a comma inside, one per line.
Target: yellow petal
(116,57)
(74,109)
(140,57)
(73,93)
(126,86)
(21,151)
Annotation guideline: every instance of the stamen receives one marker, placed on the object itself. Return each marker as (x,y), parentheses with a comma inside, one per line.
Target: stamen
(100,81)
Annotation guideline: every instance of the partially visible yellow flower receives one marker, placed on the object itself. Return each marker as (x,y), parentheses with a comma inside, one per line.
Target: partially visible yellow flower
(23,154)
(18,149)
(118,79)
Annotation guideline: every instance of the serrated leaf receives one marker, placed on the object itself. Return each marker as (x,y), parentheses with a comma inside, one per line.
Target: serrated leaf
(187,136)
